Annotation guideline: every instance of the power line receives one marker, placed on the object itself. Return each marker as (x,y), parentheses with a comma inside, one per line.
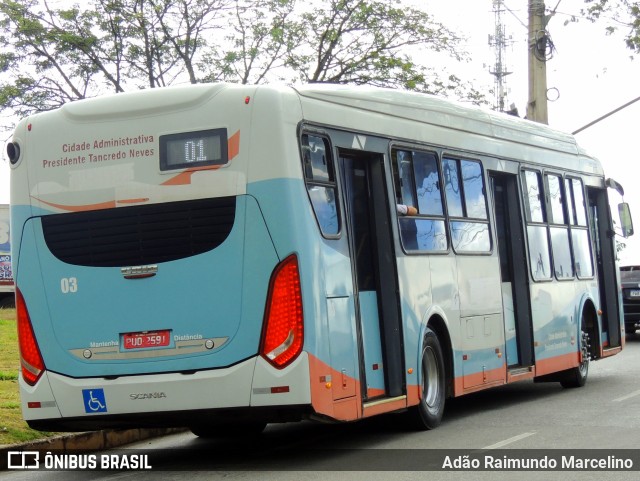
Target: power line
(606,115)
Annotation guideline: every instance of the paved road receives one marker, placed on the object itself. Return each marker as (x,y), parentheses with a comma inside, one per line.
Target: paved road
(604,414)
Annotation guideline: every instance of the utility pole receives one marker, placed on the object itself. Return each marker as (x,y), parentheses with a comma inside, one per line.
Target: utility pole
(538,45)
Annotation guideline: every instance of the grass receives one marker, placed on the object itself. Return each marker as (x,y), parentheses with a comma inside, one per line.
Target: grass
(13,429)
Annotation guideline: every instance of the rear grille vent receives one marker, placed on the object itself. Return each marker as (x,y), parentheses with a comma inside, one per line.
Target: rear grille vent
(141,235)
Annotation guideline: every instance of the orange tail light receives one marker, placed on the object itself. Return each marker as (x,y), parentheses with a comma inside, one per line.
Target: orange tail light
(30,357)
(283,332)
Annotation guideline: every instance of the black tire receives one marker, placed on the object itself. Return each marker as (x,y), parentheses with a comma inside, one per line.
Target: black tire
(235,430)
(577,376)
(428,413)
(7,302)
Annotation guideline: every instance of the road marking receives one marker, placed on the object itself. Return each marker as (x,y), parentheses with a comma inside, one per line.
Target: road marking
(628,396)
(509,441)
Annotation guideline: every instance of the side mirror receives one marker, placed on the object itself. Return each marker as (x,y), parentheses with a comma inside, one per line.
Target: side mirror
(612,184)
(625,219)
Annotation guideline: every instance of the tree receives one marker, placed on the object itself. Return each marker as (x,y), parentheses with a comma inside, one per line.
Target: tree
(367,42)
(50,56)
(261,36)
(111,45)
(624,14)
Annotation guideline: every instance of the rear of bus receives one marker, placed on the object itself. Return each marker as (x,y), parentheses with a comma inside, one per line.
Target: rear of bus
(153,289)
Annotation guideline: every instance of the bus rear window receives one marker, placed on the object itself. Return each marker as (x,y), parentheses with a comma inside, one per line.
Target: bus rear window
(187,150)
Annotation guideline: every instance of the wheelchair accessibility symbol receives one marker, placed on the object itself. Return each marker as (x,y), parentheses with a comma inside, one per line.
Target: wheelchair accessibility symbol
(94,401)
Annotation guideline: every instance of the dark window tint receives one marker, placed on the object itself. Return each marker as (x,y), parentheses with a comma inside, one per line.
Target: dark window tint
(140,235)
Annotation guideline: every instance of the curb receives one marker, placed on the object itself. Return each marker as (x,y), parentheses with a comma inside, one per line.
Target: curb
(87,441)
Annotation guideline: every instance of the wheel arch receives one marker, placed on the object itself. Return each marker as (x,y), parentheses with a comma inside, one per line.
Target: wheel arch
(589,322)
(438,325)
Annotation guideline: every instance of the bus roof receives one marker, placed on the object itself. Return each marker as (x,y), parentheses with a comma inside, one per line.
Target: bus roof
(375,110)
(437,112)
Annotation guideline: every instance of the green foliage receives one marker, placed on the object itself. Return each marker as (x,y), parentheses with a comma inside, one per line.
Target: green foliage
(13,428)
(621,15)
(9,360)
(620,246)
(52,56)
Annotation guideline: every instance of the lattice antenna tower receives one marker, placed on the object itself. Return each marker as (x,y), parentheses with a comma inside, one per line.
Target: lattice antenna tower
(499,41)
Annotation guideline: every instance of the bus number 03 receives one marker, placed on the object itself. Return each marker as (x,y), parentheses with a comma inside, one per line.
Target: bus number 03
(69,285)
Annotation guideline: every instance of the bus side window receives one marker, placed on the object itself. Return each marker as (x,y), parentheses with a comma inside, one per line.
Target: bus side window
(320,181)
(407,189)
(405,195)
(474,199)
(579,231)
(467,206)
(558,228)
(452,187)
(533,196)
(417,182)
(425,168)
(539,252)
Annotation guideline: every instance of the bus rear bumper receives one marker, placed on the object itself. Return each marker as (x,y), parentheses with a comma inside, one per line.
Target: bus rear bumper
(251,389)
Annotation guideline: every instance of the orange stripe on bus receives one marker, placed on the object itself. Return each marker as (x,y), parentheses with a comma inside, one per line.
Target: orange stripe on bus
(323,378)
(233,145)
(375,392)
(610,352)
(557,363)
(184,178)
(79,208)
(413,394)
(133,201)
(479,380)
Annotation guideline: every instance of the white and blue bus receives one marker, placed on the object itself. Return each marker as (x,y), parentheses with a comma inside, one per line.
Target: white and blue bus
(224,256)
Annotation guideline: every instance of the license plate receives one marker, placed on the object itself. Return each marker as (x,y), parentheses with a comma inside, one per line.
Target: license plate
(146,340)
(634,293)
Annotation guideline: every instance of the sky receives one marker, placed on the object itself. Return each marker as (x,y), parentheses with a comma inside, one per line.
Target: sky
(592,72)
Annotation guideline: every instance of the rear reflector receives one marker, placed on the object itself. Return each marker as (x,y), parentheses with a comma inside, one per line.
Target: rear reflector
(279,389)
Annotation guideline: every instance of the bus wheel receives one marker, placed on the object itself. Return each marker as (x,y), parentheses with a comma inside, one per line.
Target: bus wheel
(9,302)
(577,376)
(428,413)
(235,430)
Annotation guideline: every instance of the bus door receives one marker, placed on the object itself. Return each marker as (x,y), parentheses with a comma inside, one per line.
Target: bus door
(601,229)
(374,274)
(513,269)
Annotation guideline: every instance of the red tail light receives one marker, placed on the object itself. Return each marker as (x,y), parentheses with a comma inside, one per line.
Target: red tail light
(30,358)
(282,335)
